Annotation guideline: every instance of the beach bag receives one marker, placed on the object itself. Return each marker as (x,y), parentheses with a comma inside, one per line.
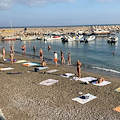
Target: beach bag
(36,70)
(84,97)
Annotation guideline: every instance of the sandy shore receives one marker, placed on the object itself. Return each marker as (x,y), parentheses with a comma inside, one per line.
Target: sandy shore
(23,98)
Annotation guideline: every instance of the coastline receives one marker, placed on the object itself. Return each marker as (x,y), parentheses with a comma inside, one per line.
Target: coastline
(22,97)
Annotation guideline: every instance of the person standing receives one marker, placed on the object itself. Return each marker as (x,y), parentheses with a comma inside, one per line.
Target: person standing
(55,58)
(12,50)
(3,52)
(79,66)
(41,54)
(34,49)
(62,58)
(69,59)
(23,49)
(11,56)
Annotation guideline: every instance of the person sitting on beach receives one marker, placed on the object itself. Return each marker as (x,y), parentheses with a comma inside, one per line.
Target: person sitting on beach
(43,64)
(11,56)
(3,52)
(101,79)
(79,66)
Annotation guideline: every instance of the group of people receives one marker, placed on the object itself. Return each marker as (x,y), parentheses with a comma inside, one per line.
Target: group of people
(79,65)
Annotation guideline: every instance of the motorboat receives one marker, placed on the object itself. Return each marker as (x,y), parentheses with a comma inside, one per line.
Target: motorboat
(113,39)
(90,38)
(64,39)
(9,38)
(51,38)
(78,37)
(100,32)
(27,38)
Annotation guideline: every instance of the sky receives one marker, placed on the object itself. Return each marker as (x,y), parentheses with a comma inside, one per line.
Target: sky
(58,12)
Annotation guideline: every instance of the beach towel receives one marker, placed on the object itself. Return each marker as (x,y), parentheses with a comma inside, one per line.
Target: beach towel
(41,68)
(31,64)
(67,75)
(14,73)
(84,98)
(102,83)
(9,60)
(51,71)
(9,68)
(117,109)
(21,61)
(48,82)
(118,89)
(85,79)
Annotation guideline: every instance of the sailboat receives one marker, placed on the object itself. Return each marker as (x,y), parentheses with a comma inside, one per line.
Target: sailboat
(9,36)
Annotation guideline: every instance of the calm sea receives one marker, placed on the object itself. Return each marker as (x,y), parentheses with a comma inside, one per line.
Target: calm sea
(95,56)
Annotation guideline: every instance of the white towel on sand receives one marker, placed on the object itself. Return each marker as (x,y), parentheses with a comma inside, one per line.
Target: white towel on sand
(83,101)
(102,83)
(67,75)
(51,71)
(85,79)
(48,82)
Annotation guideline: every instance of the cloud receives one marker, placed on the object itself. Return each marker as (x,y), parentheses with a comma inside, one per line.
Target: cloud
(6,4)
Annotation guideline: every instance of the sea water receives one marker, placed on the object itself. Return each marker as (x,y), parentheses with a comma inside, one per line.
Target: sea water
(95,56)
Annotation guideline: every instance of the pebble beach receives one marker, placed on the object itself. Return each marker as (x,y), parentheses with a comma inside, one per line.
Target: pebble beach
(24,98)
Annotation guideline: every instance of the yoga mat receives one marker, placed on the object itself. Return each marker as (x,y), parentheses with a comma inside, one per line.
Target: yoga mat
(118,89)
(21,61)
(51,71)
(117,109)
(102,83)
(67,75)
(48,82)
(41,68)
(83,101)
(14,73)
(9,68)
(9,60)
(31,64)
(85,79)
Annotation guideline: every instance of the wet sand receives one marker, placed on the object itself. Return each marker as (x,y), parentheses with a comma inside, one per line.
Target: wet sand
(23,98)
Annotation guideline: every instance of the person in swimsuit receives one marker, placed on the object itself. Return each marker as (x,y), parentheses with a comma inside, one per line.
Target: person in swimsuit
(79,66)
(101,79)
(11,56)
(55,58)
(11,47)
(62,58)
(34,49)
(43,64)
(49,48)
(41,54)
(3,52)
(23,48)
(69,59)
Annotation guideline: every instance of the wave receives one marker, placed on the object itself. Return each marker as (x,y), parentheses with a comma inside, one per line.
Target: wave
(108,70)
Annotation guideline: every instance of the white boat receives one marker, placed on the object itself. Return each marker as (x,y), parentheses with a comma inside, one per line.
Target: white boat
(113,39)
(100,32)
(9,38)
(90,38)
(27,38)
(51,38)
(78,37)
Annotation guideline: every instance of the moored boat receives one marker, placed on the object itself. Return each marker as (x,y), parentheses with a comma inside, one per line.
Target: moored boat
(112,39)
(9,38)
(50,38)
(100,32)
(90,38)
(27,38)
